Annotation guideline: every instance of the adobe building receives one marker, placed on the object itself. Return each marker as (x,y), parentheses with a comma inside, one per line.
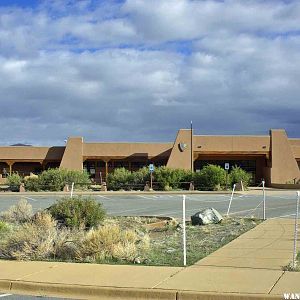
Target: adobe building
(274,157)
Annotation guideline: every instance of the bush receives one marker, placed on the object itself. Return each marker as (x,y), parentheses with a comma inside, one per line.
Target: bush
(19,213)
(32,184)
(56,179)
(14,180)
(237,174)
(211,177)
(110,242)
(81,179)
(4,228)
(30,241)
(120,178)
(78,212)
(141,176)
(52,180)
(168,178)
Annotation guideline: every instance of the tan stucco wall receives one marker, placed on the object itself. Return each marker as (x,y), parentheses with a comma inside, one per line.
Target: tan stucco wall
(122,150)
(253,144)
(31,153)
(284,165)
(181,159)
(72,158)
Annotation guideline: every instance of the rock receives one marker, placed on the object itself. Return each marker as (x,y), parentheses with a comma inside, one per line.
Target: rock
(206,216)
(137,260)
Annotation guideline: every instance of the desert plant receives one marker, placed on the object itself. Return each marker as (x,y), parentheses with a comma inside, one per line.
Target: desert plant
(14,180)
(31,240)
(110,242)
(32,184)
(168,178)
(141,176)
(211,177)
(78,212)
(18,213)
(4,228)
(81,179)
(237,174)
(120,178)
(52,180)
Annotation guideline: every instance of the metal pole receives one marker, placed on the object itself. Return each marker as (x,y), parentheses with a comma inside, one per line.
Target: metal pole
(296,231)
(192,154)
(231,198)
(264,200)
(226,180)
(72,189)
(151,180)
(184,230)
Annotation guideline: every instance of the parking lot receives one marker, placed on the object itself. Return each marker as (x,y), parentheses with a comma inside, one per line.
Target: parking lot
(168,204)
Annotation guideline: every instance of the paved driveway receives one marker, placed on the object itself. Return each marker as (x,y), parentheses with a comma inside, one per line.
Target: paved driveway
(277,204)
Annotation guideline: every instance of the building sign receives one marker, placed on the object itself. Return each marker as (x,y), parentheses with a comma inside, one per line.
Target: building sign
(151,168)
(182,146)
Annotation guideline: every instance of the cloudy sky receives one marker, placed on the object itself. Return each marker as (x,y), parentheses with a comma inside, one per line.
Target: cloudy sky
(138,70)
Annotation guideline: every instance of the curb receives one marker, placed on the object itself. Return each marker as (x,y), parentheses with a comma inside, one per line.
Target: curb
(89,292)
(185,295)
(109,293)
(109,193)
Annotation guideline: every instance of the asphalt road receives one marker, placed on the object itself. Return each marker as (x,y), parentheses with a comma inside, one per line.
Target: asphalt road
(277,205)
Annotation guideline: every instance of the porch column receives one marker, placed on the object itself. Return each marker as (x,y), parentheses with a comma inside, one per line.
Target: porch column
(10,165)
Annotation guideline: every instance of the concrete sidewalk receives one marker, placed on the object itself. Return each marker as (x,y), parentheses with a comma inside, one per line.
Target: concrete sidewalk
(250,267)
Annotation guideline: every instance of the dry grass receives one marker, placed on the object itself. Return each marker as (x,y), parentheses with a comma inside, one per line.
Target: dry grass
(30,241)
(19,213)
(110,242)
(41,239)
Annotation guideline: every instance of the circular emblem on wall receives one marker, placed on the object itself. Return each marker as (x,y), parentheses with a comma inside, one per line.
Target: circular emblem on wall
(182,146)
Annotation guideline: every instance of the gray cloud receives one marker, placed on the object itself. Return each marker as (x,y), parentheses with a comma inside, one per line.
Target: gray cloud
(107,71)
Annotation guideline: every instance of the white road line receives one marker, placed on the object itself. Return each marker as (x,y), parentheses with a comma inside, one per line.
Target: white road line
(290,215)
(271,208)
(128,210)
(5,295)
(28,198)
(103,197)
(144,197)
(207,201)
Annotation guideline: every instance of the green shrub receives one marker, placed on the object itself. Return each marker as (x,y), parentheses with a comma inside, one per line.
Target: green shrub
(52,180)
(32,184)
(211,177)
(78,212)
(14,180)
(168,178)
(4,227)
(237,174)
(120,178)
(56,179)
(81,179)
(141,176)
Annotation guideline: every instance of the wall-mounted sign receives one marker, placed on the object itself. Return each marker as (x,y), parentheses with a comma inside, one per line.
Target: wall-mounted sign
(227,166)
(182,146)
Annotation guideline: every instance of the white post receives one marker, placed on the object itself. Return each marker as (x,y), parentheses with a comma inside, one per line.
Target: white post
(231,198)
(264,200)
(296,231)
(72,189)
(184,230)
